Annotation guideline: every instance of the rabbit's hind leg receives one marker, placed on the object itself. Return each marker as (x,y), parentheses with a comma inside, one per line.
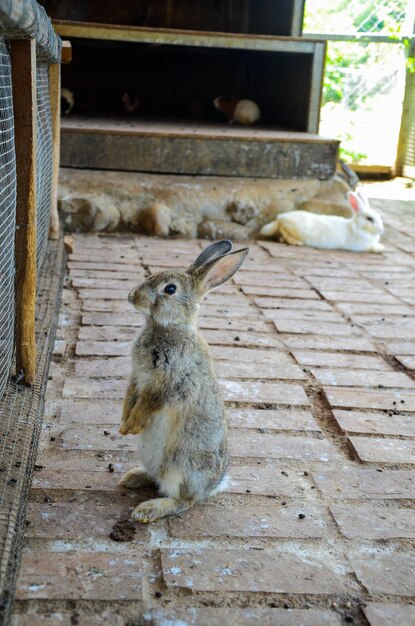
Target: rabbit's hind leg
(152,510)
(135,478)
(289,237)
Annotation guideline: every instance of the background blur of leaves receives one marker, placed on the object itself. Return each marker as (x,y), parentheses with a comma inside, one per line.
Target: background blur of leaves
(364,81)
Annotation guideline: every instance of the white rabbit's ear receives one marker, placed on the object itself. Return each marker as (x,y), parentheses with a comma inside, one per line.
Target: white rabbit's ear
(215,250)
(218,271)
(355,202)
(361,194)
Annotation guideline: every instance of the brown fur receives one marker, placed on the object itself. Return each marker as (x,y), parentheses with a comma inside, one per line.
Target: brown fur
(178,408)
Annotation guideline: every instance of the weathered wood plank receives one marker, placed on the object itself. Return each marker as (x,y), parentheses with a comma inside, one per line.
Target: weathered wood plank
(194,155)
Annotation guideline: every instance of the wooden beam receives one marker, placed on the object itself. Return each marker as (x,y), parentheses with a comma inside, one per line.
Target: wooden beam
(55,111)
(66,55)
(23,57)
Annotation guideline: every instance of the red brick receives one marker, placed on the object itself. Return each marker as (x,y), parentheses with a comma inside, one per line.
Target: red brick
(92,437)
(387,328)
(213,616)
(240,338)
(388,614)
(112,319)
(104,294)
(116,306)
(220,323)
(370,399)
(375,423)
(258,392)
(247,277)
(268,302)
(407,361)
(337,359)
(108,333)
(315,342)
(107,282)
(276,446)
(104,368)
(240,519)
(266,481)
(236,355)
(406,348)
(86,461)
(228,311)
(363,308)
(350,482)
(382,450)
(309,327)
(75,480)
(79,387)
(290,303)
(86,412)
(360,296)
(244,369)
(83,520)
(120,273)
(302,315)
(277,288)
(392,573)
(361,378)
(90,576)
(249,570)
(277,419)
(345,284)
(43,618)
(103,348)
(366,521)
(219,299)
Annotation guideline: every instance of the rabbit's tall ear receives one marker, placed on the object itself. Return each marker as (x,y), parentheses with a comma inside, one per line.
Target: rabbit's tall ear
(355,202)
(217,271)
(215,250)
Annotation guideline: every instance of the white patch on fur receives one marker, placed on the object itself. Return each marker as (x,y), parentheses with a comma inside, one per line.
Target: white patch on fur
(221,487)
(170,483)
(152,443)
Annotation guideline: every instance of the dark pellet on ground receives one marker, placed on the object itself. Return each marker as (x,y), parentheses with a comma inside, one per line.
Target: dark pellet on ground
(348,618)
(236,339)
(111,468)
(123,530)
(53,438)
(248,491)
(284,473)
(305,473)
(301,515)
(158,594)
(107,432)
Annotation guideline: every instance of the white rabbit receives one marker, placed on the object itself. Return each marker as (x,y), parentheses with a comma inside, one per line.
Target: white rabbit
(359,233)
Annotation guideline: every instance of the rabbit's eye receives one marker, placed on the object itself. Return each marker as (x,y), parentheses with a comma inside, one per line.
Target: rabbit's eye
(170,289)
(370,219)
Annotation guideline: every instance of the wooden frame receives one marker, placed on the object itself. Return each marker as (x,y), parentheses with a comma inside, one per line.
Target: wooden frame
(23,58)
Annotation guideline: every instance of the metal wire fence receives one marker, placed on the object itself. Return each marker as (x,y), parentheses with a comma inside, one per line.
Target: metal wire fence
(43,161)
(7,216)
(365,73)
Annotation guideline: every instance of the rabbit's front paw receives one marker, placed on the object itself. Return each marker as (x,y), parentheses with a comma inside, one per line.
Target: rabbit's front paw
(152,510)
(135,478)
(377,248)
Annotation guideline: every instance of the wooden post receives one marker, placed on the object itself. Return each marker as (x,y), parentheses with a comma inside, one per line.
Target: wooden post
(23,57)
(55,111)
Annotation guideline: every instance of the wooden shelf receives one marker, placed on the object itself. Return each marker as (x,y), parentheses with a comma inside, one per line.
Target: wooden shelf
(135,126)
(165,36)
(179,147)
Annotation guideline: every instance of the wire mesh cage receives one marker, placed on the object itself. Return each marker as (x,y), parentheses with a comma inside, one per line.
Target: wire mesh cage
(7,215)
(43,161)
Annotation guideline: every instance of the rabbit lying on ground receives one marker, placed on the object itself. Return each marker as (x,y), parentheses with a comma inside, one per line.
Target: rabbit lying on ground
(173,399)
(360,233)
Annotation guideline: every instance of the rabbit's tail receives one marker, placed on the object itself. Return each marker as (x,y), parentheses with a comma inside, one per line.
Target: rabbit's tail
(270,229)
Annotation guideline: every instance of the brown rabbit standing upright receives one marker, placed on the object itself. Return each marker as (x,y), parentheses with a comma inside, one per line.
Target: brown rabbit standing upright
(173,400)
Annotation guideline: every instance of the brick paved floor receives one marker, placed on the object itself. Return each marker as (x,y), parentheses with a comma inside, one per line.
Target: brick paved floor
(316,355)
